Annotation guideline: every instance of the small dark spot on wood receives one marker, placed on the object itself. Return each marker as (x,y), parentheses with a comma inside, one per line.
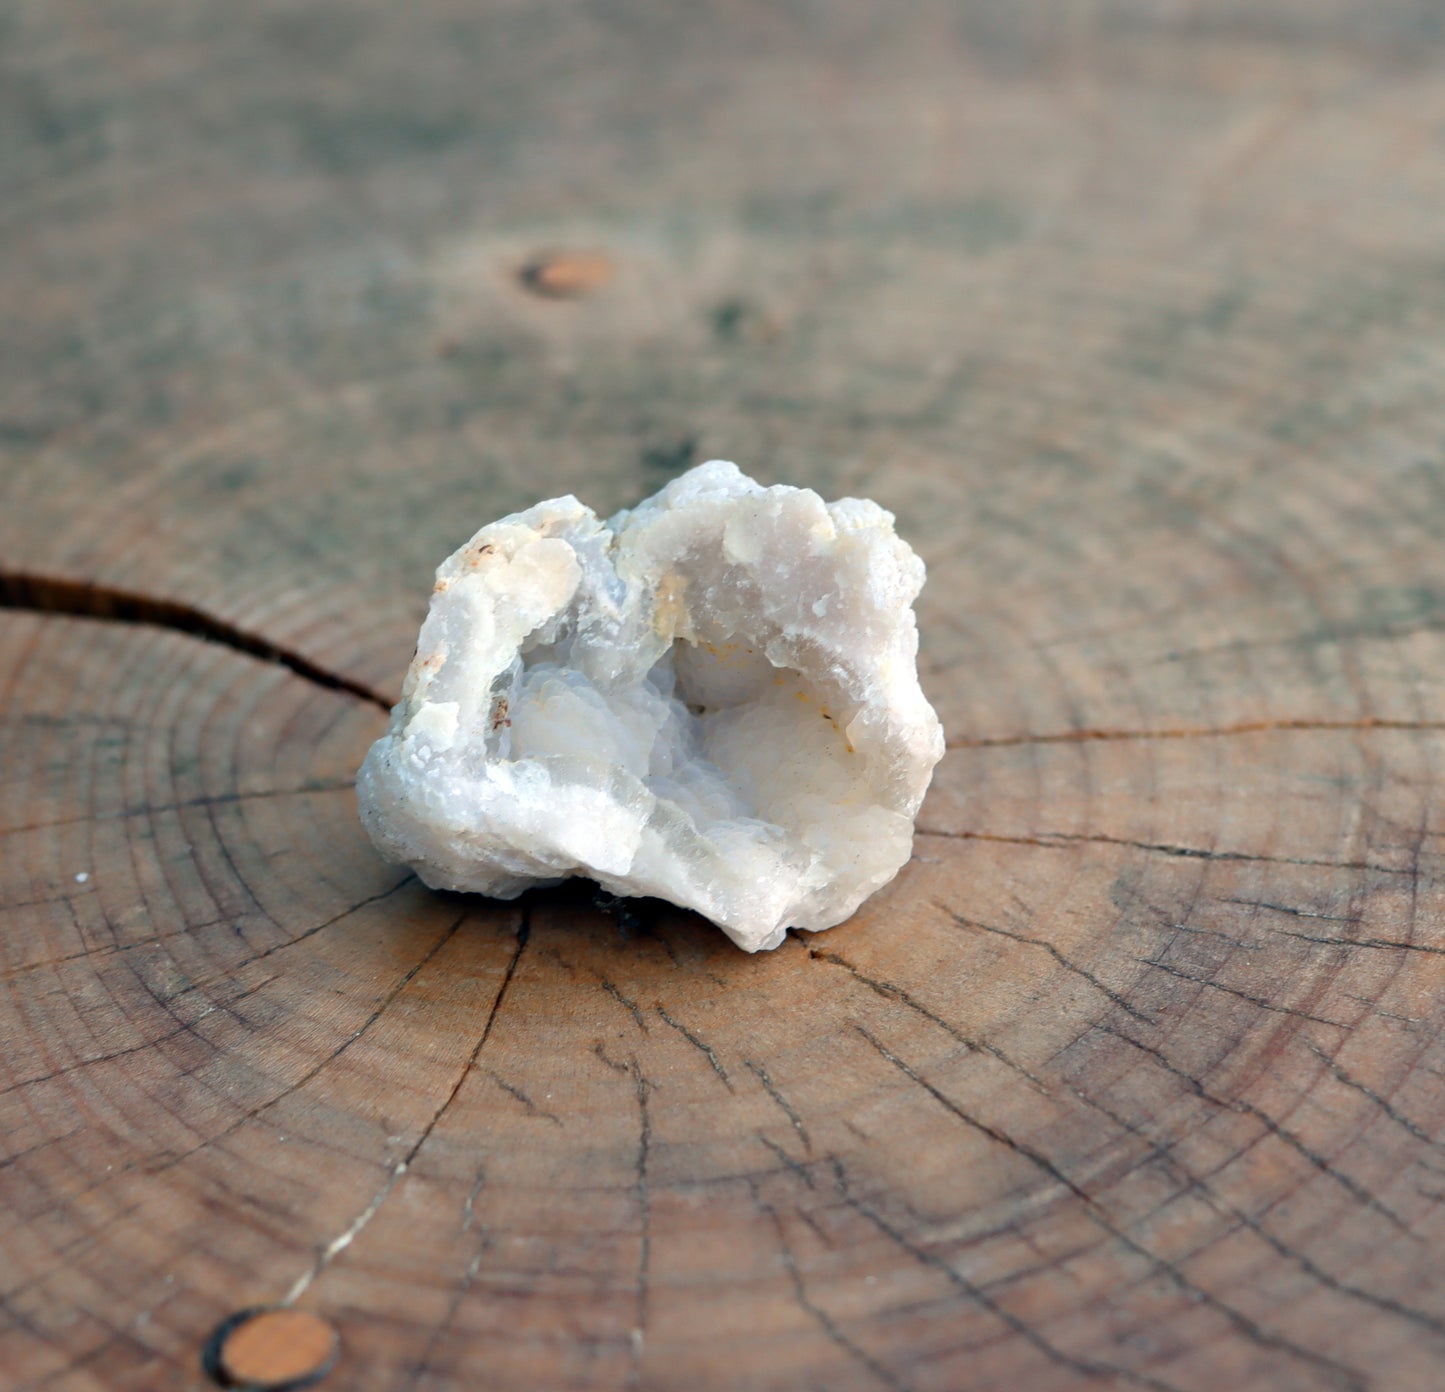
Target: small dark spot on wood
(734,320)
(235,477)
(727,319)
(271,1349)
(567,275)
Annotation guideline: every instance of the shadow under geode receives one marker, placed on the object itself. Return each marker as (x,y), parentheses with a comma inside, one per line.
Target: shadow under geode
(611,930)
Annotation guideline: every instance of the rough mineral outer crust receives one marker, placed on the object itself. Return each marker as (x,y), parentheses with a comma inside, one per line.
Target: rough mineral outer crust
(711,698)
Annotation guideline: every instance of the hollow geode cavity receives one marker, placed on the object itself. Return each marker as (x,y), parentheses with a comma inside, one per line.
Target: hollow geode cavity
(712,698)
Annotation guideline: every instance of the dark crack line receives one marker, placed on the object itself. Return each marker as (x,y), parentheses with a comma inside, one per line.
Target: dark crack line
(1347,1377)
(1379,944)
(1252,727)
(630,1006)
(1254,1000)
(794,1167)
(771,1089)
(608,1060)
(206,800)
(408,878)
(1352,1187)
(891,992)
(1071,966)
(407,977)
(524,933)
(1375,1009)
(644,1203)
(980,1297)
(39,594)
(1164,1154)
(820,1316)
(423,1364)
(1060,840)
(99,951)
(1286,909)
(171,1161)
(337,1245)
(17,1156)
(102,951)
(512,1090)
(75,1067)
(45,901)
(993,1133)
(815,1227)
(702,1046)
(1383,1103)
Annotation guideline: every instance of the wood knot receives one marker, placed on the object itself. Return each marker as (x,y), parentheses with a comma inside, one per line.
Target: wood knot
(567,275)
(271,1349)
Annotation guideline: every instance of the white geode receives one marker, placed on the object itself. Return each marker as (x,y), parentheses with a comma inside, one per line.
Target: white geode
(712,698)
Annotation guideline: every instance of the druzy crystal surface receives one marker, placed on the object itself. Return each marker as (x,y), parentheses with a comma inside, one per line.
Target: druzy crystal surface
(711,697)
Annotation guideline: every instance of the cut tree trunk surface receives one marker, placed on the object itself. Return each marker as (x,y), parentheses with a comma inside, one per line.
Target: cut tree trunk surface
(1133,312)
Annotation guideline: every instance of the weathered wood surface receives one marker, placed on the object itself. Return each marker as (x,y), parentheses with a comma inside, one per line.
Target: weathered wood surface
(1133,312)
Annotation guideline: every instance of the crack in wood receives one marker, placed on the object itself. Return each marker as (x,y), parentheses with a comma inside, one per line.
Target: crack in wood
(1163,1153)
(630,1006)
(1373,944)
(1248,727)
(820,1316)
(784,1105)
(106,950)
(44,594)
(469,1207)
(532,1109)
(171,1161)
(638,1336)
(1058,840)
(346,1237)
(700,1045)
(37,1079)
(1286,909)
(1260,1001)
(1067,963)
(1351,1186)
(1086,1367)
(16,1156)
(206,800)
(891,992)
(1340,1374)
(1383,1103)
(337,1245)
(796,1167)
(423,1364)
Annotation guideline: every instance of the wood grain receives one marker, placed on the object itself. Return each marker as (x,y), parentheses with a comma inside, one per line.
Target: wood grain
(1131,311)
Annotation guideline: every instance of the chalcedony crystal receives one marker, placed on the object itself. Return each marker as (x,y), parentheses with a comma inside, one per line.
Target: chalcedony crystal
(711,697)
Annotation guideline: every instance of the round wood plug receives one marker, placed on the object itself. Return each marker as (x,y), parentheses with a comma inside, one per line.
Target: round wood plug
(271,1349)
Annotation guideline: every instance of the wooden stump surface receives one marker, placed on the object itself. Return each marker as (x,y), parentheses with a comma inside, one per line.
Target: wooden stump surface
(1134,313)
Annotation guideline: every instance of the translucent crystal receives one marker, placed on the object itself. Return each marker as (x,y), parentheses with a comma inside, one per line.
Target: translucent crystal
(711,698)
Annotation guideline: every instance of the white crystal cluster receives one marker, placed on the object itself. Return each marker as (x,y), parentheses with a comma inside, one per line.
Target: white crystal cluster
(711,698)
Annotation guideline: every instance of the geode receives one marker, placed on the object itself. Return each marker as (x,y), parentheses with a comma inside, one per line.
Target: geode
(711,698)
